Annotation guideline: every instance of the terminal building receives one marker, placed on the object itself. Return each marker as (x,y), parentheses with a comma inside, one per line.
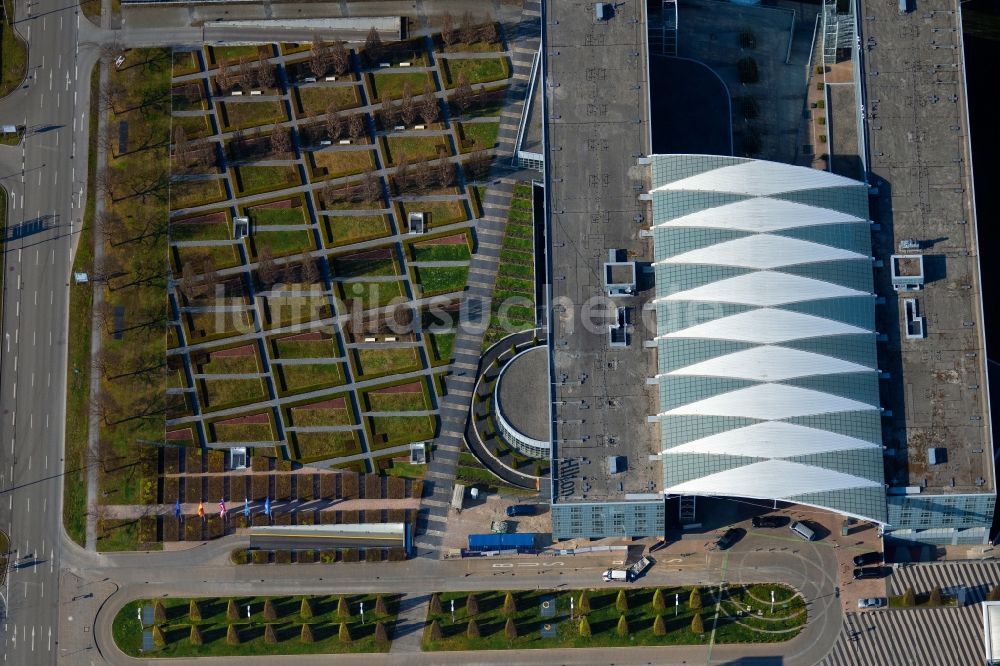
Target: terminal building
(758,336)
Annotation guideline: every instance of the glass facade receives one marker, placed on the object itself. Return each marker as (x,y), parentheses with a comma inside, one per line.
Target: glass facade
(608,519)
(941,519)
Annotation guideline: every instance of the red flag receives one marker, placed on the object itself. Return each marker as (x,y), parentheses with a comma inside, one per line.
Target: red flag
(201,509)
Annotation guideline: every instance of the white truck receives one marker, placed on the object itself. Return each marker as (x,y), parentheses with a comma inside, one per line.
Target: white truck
(631,573)
(616,574)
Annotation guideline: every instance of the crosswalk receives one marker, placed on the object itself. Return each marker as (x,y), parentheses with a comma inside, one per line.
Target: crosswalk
(976,577)
(915,637)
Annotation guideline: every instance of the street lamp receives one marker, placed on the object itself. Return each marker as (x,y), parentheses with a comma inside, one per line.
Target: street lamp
(453,611)
(772,602)
(677,603)
(363,611)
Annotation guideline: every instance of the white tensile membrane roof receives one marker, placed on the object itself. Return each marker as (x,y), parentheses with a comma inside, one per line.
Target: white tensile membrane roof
(771,390)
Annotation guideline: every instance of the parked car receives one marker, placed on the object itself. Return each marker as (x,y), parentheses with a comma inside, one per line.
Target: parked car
(521,510)
(867,572)
(871,602)
(767,521)
(729,538)
(868,558)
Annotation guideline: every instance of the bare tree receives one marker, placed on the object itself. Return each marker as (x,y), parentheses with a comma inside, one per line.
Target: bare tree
(462,97)
(401,177)
(447,29)
(488,31)
(265,71)
(281,140)
(209,276)
(356,126)
(106,406)
(319,57)
(334,122)
(479,97)
(425,178)
(467,29)
(331,193)
(182,149)
(373,45)
(371,187)
(477,167)
(429,107)
(105,181)
(340,57)
(224,77)
(191,92)
(247,75)
(105,314)
(109,267)
(310,272)
(444,171)
(266,268)
(408,111)
(387,112)
(112,226)
(189,281)
(112,95)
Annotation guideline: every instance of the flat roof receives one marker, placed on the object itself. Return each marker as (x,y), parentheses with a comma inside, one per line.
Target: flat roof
(596,129)
(524,394)
(920,153)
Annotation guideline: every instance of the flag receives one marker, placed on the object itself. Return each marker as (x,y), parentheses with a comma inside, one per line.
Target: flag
(267,506)
(222,508)
(201,509)
(177,508)
(246,507)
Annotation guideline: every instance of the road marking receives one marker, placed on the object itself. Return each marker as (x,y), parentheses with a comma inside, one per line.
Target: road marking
(501,565)
(50,628)
(37,252)
(527,564)
(28,505)
(58,96)
(55,176)
(50,80)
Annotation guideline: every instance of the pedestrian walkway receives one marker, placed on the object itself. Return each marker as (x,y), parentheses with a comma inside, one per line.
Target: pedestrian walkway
(409,630)
(931,637)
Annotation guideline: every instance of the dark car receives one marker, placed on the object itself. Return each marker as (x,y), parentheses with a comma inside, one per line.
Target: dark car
(521,510)
(767,521)
(867,572)
(729,538)
(868,558)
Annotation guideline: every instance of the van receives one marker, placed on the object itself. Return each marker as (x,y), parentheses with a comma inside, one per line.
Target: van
(521,510)
(803,531)
(615,574)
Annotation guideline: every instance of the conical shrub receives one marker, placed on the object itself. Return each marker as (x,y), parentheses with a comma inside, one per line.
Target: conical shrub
(994,593)
(621,602)
(232,614)
(435,631)
(269,612)
(622,628)
(472,629)
(380,607)
(159,640)
(343,609)
(697,626)
(583,604)
(306,635)
(194,612)
(659,626)
(306,609)
(194,637)
(909,597)
(510,629)
(935,599)
(694,601)
(344,633)
(233,635)
(584,626)
(159,612)
(381,635)
(471,605)
(659,603)
(509,606)
(270,636)
(435,604)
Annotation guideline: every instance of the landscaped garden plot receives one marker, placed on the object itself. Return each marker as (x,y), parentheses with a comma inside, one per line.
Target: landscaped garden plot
(185,62)
(221,393)
(367,295)
(297,378)
(370,363)
(487,101)
(195,127)
(283,310)
(332,411)
(604,627)
(440,347)
(188,96)
(406,397)
(477,136)
(233,361)
(221,256)
(315,100)
(241,115)
(233,52)
(255,427)
(283,243)
(281,620)
(515,285)
(416,148)
(256,179)
(436,213)
(392,84)
(313,446)
(206,226)
(394,430)
(441,279)
(476,70)
(196,192)
(280,212)
(204,326)
(311,344)
(339,163)
(344,230)
(366,264)
(446,248)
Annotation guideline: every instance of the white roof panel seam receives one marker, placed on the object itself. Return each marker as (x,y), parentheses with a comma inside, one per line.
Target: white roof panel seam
(770,363)
(770,402)
(760,178)
(767,325)
(772,439)
(773,479)
(761,215)
(763,251)
(765,288)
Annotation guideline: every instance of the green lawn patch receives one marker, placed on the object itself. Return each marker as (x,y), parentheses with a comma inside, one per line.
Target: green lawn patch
(478,70)
(315,100)
(221,364)
(313,446)
(290,347)
(241,115)
(213,626)
(441,280)
(200,230)
(439,213)
(184,62)
(222,256)
(391,399)
(358,265)
(272,216)
(191,193)
(431,251)
(515,276)
(195,127)
(392,84)
(394,430)
(256,179)
(283,310)
(388,361)
(218,394)
(338,163)
(242,432)
(341,230)
(416,148)
(370,294)
(311,415)
(477,136)
(204,326)
(283,243)
(232,53)
(311,377)
(441,345)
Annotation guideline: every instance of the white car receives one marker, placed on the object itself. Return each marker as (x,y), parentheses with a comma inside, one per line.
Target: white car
(872,602)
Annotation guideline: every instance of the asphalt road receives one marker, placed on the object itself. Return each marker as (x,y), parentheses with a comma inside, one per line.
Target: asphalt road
(44,177)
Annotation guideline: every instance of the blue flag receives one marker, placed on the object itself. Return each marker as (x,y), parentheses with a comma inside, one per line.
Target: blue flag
(246,507)
(177,508)
(267,506)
